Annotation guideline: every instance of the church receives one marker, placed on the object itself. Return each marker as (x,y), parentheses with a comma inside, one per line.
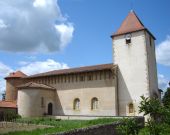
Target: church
(112,89)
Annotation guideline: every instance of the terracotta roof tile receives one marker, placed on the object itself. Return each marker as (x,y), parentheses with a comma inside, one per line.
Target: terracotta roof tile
(8,104)
(131,24)
(75,70)
(35,85)
(17,74)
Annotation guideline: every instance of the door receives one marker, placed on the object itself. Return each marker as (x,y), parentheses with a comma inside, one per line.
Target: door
(50,109)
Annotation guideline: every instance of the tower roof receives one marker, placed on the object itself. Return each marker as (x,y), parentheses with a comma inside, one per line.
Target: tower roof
(17,74)
(131,24)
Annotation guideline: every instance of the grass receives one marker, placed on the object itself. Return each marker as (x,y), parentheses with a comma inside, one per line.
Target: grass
(164,130)
(58,126)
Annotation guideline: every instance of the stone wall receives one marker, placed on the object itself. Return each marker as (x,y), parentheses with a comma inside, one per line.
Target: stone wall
(107,129)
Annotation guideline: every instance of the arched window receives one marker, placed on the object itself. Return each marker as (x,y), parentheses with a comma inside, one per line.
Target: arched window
(76,104)
(131,108)
(94,103)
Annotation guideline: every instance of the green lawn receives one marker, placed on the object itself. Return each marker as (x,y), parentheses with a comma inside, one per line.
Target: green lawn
(165,130)
(58,126)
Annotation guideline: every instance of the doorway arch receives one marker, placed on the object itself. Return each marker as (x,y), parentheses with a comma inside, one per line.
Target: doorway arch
(50,109)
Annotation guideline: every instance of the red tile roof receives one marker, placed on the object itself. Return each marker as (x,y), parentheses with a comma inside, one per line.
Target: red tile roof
(35,85)
(17,74)
(8,104)
(131,24)
(75,70)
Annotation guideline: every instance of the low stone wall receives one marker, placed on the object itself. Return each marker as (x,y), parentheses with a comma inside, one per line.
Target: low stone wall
(107,129)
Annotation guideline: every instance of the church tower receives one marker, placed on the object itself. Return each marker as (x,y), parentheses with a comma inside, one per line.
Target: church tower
(134,53)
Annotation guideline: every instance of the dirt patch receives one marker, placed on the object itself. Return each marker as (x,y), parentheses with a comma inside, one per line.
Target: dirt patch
(6,127)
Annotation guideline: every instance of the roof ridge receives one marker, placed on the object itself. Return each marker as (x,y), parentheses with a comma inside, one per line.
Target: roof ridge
(75,69)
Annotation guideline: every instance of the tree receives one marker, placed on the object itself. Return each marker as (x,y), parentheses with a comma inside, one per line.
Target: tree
(152,107)
(166,98)
(159,115)
(3,95)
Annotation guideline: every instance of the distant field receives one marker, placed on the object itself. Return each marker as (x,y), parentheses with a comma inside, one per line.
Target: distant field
(40,126)
(6,127)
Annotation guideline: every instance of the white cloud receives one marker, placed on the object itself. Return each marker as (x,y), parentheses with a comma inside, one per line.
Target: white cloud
(42,66)
(2,24)
(66,33)
(30,26)
(40,3)
(162,82)
(29,68)
(163,52)
(4,71)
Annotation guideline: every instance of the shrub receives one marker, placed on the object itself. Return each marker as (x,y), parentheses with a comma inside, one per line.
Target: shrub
(129,127)
(166,98)
(10,115)
(152,107)
(159,119)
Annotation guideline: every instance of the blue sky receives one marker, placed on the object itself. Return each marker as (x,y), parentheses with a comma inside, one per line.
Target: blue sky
(43,35)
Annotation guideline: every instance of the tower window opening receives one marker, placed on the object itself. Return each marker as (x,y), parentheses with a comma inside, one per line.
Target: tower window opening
(128,41)
(128,38)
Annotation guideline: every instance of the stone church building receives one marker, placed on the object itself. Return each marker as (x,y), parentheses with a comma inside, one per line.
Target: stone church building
(101,90)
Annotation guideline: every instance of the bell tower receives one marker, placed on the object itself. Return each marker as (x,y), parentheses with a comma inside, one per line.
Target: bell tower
(134,53)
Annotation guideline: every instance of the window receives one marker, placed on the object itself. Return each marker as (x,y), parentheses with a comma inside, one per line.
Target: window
(42,102)
(128,38)
(61,79)
(69,79)
(76,78)
(101,74)
(65,79)
(94,104)
(96,75)
(128,41)
(48,78)
(81,78)
(58,79)
(55,80)
(72,78)
(150,39)
(110,75)
(131,108)
(89,77)
(76,104)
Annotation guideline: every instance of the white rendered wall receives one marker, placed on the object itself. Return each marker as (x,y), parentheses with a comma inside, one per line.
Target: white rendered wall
(132,70)
(104,90)
(152,69)
(29,102)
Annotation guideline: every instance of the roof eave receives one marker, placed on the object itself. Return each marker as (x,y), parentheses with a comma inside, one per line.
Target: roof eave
(71,72)
(115,35)
(19,88)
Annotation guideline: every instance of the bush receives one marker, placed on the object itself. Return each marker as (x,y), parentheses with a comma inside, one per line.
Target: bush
(159,119)
(129,127)
(9,115)
(152,107)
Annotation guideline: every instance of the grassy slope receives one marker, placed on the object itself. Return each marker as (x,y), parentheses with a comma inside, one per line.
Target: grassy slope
(59,126)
